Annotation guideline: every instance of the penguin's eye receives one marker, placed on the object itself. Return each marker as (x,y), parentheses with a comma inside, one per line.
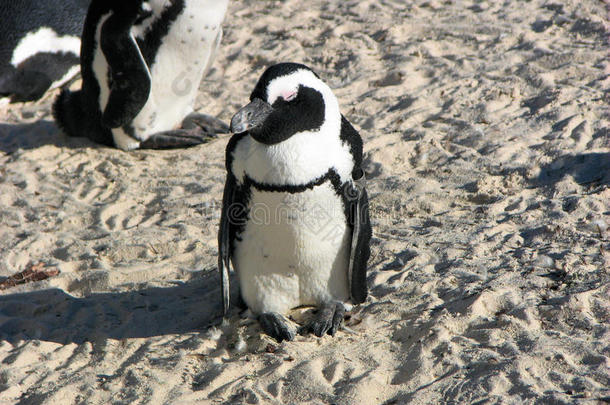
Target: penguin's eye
(289,95)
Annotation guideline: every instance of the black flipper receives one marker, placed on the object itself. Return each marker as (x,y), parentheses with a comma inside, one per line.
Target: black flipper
(356,204)
(224,241)
(361,236)
(276,326)
(232,218)
(129,76)
(179,138)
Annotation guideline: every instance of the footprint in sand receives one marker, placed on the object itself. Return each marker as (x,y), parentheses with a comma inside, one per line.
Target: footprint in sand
(119,216)
(89,192)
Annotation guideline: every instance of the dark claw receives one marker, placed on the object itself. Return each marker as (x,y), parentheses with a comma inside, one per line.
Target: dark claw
(323,320)
(337,319)
(207,123)
(276,326)
(328,319)
(179,138)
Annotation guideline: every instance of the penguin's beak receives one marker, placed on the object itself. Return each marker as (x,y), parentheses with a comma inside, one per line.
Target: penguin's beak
(250,116)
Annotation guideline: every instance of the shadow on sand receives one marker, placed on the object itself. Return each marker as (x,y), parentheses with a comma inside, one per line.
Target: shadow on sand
(36,134)
(586,169)
(53,315)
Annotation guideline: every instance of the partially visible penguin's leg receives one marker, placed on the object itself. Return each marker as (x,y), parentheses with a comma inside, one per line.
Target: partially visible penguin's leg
(328,320)
(208,124)
(178,138)
(276,326)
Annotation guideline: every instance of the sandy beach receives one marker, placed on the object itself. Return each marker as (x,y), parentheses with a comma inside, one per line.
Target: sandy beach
(487,151)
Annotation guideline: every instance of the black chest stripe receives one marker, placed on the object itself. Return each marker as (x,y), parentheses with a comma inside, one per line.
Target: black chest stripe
(331,175)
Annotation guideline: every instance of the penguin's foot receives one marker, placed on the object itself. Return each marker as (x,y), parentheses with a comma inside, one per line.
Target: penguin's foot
(179,138)
(207,123)
(328,319)
(276,326)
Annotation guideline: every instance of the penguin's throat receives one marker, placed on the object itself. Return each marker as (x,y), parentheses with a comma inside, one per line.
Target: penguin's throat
(298,160)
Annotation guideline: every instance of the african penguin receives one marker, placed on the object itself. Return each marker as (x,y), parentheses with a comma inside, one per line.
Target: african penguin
(141,63)
(40,46)
(295,223)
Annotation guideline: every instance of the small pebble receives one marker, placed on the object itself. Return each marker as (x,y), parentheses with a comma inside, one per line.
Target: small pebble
(544,261)
(240,345)
(601,225)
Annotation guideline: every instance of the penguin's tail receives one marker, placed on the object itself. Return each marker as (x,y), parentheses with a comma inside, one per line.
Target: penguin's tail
(68,113)
(74,120)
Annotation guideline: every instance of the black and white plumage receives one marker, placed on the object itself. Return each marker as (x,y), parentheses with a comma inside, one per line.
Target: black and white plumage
(295,224)
(40,46)
(141,63)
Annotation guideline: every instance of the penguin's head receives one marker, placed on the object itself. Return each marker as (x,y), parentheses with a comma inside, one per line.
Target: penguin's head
(289,98)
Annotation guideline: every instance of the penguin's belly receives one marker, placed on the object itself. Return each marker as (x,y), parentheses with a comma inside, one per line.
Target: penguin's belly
(175,78)
(294,250)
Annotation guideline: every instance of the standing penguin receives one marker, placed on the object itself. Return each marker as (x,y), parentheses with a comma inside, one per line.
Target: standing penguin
(141,63)
(295,222)
(40,46)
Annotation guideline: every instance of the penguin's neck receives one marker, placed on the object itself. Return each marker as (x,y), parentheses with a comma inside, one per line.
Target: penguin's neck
(299,160)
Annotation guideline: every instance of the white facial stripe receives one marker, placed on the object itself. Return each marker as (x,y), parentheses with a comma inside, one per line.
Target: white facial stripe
(44,40)
(285,85)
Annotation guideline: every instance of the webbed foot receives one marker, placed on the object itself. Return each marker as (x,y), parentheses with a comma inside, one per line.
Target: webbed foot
(328,319)
(276,326)
(179,138)
(207,123)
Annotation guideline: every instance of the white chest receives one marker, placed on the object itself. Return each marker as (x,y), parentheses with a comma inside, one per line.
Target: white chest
(294,250)
(297,160)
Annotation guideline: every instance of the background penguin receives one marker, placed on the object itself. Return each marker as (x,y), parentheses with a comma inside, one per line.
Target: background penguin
(40,46)
(141,63)
(294,223)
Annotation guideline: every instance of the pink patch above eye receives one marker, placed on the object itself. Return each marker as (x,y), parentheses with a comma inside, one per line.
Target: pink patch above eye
(289,95)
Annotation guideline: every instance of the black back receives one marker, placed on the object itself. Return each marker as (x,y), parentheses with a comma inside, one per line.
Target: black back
(33,76)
